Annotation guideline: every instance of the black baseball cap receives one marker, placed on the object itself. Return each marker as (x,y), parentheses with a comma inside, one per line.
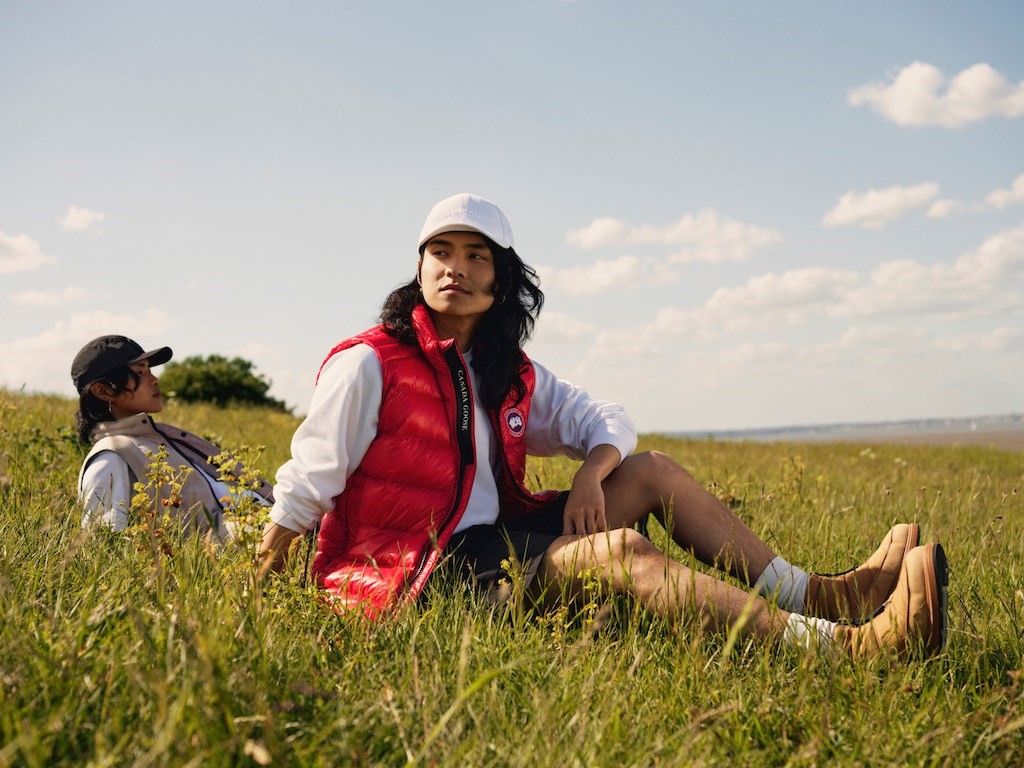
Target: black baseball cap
(104,354)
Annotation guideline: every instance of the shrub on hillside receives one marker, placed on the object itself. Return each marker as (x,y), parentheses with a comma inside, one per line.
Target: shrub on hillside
(216,379)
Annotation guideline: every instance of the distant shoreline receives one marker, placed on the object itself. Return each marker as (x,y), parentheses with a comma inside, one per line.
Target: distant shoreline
(1004,432)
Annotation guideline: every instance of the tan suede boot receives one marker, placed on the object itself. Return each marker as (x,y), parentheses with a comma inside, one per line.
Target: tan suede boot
(914,618)
(857,594)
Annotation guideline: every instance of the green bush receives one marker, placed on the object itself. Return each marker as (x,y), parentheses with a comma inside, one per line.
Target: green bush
(216,379)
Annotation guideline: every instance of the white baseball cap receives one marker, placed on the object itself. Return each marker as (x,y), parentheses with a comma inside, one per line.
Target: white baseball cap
(468,213)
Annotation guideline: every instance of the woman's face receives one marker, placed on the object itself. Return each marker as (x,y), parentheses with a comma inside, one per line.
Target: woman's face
(456,274)
(144,398)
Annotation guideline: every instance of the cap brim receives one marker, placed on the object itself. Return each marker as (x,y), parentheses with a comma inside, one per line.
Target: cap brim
(155,357)
(463,228)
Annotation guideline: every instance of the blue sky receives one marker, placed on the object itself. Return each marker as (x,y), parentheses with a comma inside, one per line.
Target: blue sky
(744,215)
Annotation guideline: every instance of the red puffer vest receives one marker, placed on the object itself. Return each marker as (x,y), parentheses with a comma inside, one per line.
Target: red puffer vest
(399,508)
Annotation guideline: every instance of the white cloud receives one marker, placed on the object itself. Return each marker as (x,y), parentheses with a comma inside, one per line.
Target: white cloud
(715,238)
(20,253)
(861,373)
(777,348)
(557,327)
(707,236)
(81,219)
(975,283)
(940,209)
(42,362)
(765,301)
(797,289)
(997,260)
(873,208)
(914,97)
(918,354)
(1001,339)
(1001,198)
(864,344)
(604,276)
(49,298)
(760,354)
(600,232)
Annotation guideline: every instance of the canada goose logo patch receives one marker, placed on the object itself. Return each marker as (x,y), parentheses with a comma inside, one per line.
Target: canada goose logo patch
(516,422)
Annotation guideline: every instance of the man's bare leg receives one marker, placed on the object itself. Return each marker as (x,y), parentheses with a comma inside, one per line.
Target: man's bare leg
(625,562)
(654,483)
(651,483)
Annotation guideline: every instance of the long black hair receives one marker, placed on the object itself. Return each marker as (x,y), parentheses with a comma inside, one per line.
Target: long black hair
(504,329)
(92,410)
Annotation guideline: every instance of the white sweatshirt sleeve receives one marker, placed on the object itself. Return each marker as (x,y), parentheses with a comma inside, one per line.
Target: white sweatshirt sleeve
(106,492)
(332,440)
(564,419)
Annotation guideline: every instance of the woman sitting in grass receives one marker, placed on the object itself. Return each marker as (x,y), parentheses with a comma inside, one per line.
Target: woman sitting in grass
(117,392)
(414,450)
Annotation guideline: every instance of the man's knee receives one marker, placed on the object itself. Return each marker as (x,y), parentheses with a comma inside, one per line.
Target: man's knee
(652,464)
(653,477)
(574,553)
(629,560)
(622,546)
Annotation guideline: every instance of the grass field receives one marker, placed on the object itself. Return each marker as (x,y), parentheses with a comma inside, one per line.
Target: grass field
(123,650)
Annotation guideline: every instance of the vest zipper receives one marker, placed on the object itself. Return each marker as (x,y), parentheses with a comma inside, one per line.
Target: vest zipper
(464,438)
(185,449)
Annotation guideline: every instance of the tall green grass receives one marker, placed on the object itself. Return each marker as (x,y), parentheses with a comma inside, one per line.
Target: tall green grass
(110,655)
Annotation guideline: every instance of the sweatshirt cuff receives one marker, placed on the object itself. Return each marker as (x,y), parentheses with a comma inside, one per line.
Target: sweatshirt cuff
(623,440)
(293,521)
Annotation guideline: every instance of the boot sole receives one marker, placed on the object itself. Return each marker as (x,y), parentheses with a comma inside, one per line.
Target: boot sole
(942,568)
(937,596)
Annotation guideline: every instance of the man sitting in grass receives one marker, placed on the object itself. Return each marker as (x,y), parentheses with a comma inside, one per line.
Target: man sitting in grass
(415,446)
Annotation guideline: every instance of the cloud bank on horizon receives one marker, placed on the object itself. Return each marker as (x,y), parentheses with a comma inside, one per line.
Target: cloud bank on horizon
(871,269)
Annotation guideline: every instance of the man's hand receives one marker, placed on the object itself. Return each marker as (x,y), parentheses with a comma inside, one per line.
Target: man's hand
(584,509)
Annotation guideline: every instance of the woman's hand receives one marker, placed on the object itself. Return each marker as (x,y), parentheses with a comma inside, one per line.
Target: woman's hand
(584,509)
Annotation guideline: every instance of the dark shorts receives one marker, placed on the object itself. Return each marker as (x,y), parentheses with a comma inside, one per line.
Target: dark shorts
(478,552)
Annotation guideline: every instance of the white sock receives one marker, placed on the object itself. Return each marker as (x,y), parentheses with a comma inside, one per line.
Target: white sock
(787,582)
(809,632)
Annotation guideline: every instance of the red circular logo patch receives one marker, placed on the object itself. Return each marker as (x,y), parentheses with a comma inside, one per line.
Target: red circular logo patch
(515,421)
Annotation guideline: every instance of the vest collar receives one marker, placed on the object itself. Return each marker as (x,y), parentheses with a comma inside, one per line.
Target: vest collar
(426,332)
(136,425)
